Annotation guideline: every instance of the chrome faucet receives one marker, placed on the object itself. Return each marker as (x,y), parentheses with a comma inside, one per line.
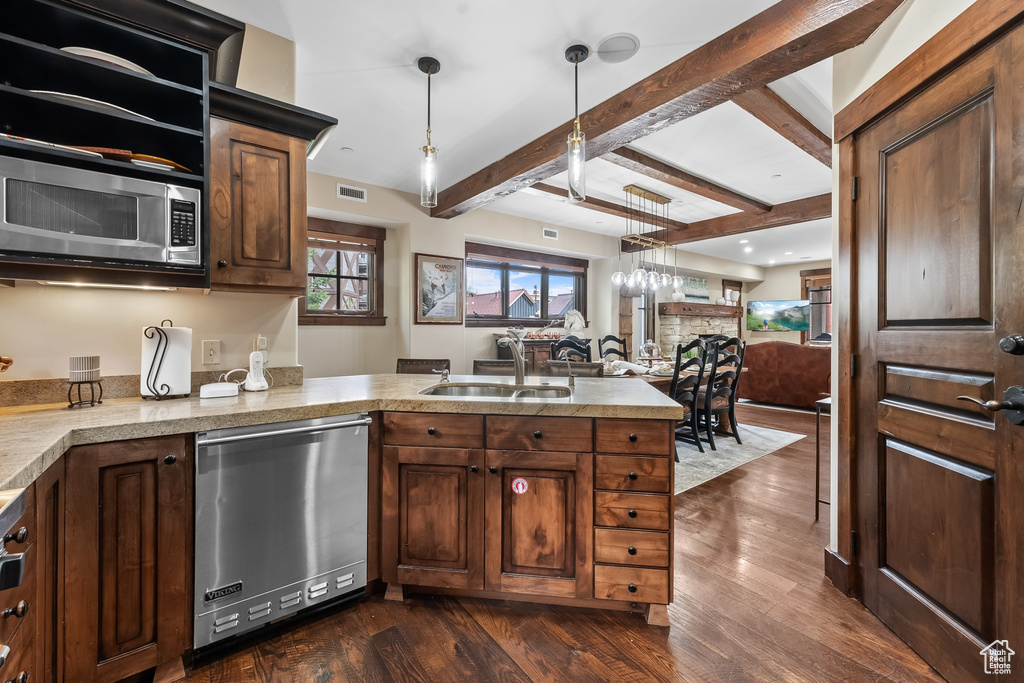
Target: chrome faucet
(514,343)
(444,374)
(568,371)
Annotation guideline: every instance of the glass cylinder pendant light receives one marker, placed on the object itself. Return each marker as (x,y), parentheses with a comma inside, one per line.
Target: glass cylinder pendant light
(577,140)
(428,165)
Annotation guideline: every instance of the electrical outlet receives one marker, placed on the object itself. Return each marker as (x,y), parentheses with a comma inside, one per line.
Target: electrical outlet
(261,342)
(211,352)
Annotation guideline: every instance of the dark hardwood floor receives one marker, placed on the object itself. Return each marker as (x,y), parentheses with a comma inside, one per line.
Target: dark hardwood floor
(751,604)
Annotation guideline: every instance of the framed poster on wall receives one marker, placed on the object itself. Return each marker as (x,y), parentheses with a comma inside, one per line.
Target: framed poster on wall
(440,289)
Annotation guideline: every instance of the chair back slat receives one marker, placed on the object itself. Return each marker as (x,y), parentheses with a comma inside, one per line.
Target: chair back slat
(422,366)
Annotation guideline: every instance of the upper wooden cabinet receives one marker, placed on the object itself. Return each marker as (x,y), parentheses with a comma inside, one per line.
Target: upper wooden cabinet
(257,210)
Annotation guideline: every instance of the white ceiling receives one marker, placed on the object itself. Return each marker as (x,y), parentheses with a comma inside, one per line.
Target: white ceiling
(504,81)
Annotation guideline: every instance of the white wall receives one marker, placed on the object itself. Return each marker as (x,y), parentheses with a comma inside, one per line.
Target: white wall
(44,325)
(780,282)
(853,72)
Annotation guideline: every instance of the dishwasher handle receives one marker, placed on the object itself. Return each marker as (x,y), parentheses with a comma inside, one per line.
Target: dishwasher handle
(203,440)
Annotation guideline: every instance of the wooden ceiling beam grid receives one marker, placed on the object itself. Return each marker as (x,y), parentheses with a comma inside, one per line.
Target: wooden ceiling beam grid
(781,40)
(659,170)
(552,192)
(779,115)
(789,213)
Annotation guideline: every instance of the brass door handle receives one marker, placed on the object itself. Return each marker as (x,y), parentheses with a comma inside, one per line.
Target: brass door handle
(991,406)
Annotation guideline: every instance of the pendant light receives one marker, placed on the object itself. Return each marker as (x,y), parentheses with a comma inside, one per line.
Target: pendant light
(577,140)
(428,165)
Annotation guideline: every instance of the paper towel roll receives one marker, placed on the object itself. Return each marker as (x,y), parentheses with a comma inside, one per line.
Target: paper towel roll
(174,376)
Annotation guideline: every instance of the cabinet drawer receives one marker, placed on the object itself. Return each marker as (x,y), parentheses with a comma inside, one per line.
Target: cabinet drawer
(631,583)
(625,546)
(643,437)
(528,433)
(20,658)
(434,429)
(629,473)
(12,597)
(633,510)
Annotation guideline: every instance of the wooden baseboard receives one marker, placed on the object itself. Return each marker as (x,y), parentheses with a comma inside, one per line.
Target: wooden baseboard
(839,572)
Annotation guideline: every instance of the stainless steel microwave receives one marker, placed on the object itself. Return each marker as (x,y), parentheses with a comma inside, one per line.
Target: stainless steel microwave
(54,210)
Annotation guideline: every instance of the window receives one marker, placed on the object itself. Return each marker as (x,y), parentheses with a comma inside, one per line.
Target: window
(817,288)
(344,282)
(528,288)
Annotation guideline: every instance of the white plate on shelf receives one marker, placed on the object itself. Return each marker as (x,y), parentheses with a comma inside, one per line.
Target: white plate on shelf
(152,164)
(106,57)
(78,99)
(50,145)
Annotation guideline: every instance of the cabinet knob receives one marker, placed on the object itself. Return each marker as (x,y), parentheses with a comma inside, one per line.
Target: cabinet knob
(632,588)
(20,678)
(494,470)
(473,468)
(19,536)
(631,513)
(431,431)
(632,437)
(222,264)
(632,475)
(631,550)
(537,434)
(170,459)
(5,652)
(19,610)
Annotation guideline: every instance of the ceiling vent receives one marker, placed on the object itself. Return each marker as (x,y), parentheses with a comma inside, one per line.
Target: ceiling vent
(356,194)
(549,233)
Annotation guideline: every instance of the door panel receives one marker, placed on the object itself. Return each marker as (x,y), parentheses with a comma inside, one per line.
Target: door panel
(538,524)
(938,263)
(433,503)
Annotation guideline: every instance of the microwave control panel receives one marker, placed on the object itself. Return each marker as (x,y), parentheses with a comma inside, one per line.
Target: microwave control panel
(183,223)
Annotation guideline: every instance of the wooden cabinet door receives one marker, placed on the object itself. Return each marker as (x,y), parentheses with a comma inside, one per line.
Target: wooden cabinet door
(49,545)
(432,517)
(540,523)
(257,210)
(128,557)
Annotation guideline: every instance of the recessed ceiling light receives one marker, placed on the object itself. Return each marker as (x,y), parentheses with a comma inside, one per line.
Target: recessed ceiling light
(747,250)
(744,241)
(347,149)
(771,262)
(618,48)
(789,253)
(777,176)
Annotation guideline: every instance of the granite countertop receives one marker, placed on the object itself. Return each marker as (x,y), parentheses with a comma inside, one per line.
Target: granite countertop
(33,437)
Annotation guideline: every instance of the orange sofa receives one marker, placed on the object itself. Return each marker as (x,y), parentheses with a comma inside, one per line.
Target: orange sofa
(786,374)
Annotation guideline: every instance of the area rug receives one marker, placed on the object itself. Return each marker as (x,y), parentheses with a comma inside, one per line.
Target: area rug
(694,468)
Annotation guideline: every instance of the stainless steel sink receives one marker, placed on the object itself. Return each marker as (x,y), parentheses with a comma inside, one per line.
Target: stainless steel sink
(488,390)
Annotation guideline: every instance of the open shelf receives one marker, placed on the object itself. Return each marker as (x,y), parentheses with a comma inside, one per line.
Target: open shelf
(64,158)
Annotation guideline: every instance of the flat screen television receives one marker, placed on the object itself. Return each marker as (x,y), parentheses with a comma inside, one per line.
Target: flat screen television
(779,316)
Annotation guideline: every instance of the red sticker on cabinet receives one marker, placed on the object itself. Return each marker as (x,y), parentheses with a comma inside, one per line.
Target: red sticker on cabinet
(519,485)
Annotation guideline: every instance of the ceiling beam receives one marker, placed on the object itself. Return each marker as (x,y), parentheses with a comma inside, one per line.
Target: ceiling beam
(781,40)
(779,115)
(677,177)
(552,192)
(799,211)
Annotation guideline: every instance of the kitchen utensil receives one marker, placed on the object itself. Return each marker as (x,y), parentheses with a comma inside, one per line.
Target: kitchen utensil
(160,160)
(51,145)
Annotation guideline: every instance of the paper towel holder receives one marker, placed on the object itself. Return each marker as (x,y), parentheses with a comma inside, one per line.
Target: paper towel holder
(158,392)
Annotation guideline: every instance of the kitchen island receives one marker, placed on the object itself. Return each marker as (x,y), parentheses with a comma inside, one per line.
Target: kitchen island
(565,500)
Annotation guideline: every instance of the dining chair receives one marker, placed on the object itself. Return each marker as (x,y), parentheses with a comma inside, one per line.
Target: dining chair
(560,368)
(612,350)
(493,366)
(571,347)
(422,366)
(685,387)
(719,396)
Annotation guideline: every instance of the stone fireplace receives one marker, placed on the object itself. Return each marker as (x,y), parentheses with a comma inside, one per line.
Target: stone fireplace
(680,322)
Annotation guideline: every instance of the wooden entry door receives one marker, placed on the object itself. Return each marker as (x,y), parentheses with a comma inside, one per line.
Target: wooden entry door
(939,267)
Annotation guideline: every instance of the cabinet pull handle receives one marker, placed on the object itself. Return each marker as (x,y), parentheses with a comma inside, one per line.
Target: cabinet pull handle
(19,536)
(222,264)
(632,437)
(631,587)
(632,475)
(472,468)
(19,610)
(631,550)
(537,434)
(20,678)
(170,459)
(431,431)
(494,470)
(5,652)
(631,513)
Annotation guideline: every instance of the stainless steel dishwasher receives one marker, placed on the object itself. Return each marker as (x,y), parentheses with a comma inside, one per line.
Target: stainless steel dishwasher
(280,521)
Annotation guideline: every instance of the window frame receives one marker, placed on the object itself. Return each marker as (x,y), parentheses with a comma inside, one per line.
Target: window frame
(371,237)
(504,259)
